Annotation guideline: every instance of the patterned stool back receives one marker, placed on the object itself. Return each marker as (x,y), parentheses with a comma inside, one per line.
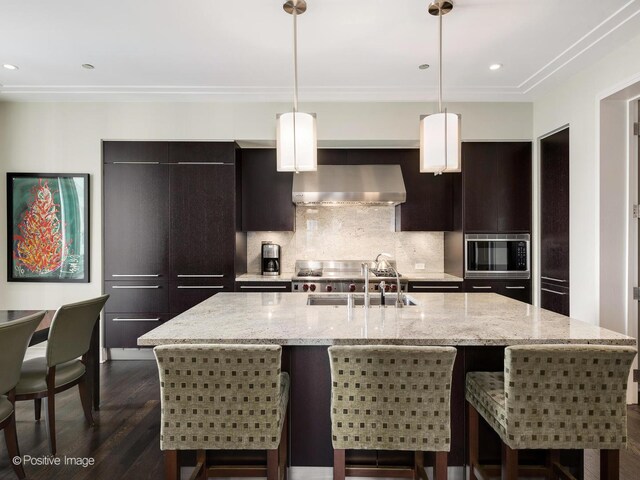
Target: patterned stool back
(220,396)
(567,396)
(391,398)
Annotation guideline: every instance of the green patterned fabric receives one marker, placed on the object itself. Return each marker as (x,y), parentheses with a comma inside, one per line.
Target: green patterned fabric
(221,397)
(556,396)
(391,398)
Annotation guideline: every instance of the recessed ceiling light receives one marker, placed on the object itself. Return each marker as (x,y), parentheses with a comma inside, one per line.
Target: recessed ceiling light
(495,66)
(424,66)
(88,66)
(8,66)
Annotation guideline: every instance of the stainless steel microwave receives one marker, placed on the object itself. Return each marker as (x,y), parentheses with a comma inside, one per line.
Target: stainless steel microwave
(497,255)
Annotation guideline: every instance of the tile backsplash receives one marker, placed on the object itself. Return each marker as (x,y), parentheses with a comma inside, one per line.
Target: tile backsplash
(350,233)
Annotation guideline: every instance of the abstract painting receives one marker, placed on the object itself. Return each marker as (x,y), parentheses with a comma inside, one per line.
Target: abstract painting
(48,227)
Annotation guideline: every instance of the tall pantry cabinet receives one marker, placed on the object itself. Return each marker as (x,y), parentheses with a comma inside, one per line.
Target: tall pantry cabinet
(172,233)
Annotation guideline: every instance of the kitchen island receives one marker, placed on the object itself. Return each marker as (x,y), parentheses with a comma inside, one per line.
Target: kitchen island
(480,325)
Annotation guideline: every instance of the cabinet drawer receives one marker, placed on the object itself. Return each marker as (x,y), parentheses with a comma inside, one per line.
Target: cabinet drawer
(481,286)
(121,330)
(518,290)
(263,287)
(137,296)
(188,292)
(437,287)
(554,298)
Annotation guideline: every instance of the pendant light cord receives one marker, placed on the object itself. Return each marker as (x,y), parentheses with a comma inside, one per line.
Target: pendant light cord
(295,85)
(440,59)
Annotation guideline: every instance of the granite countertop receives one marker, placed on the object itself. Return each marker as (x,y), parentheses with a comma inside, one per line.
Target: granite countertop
(412,277)
(258,277)
(437,319)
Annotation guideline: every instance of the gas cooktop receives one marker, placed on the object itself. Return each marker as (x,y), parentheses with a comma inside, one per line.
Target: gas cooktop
(342,276)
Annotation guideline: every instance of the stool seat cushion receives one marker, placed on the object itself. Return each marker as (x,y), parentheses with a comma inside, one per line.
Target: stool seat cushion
(6,408)
(33,377)
(485,391)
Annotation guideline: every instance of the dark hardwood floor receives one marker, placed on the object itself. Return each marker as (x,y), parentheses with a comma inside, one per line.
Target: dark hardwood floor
(125,443)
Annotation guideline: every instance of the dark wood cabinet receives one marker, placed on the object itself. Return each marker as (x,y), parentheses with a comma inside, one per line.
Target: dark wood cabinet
(258,287)
(435,287)
(554,222)
(171,220)
(497,187)
(516,289)
(136,221)
(555,298)
(203,218)
(266,193)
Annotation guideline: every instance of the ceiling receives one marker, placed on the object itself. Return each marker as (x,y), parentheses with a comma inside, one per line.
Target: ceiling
(360,50)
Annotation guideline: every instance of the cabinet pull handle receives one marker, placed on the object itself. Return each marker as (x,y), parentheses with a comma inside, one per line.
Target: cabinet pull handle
(516,288)
(261,286)
(204,163)
(200,276)
(552,291)
(136,163)
(141,275)
(157,319)
(481,288)
(212,287)
(136,287)
(553,279)
(428,287)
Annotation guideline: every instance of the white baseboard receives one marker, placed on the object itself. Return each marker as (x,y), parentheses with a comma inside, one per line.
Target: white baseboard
(130,354)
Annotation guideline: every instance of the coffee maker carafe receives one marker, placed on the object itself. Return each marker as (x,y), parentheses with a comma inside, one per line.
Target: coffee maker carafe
(270,259)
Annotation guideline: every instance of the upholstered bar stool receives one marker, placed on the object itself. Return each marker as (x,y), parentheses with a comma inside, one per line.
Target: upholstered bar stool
(552,397)
(223,397)
(391,398)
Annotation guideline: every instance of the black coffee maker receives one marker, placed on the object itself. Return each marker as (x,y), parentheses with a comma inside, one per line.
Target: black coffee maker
(270,259)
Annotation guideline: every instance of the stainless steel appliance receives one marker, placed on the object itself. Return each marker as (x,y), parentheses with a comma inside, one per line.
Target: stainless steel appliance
(350,185)
(270,259)
(497,255)
(343,276)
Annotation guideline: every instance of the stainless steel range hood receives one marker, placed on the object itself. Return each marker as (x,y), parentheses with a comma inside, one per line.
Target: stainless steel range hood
(350,185)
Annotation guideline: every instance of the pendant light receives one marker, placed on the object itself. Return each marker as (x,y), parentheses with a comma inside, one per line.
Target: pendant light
(440,132)
(296,139)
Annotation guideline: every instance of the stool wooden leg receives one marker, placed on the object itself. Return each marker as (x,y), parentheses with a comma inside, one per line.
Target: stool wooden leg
(509,463)
(609,464)
(201,463)
(553,457)
(272,464)
(339,467)
(418,465)
(171,465)
(440,467)
(37,405)
(472,415)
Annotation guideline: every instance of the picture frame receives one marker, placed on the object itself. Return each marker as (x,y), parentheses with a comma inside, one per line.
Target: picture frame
(48,227)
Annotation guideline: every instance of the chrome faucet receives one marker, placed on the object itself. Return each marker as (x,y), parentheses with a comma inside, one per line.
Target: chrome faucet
(400,294)
(365,271)
(381,287)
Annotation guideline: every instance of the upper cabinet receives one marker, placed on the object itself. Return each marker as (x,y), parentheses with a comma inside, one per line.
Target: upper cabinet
(266,193)
(497,186)
(220,153)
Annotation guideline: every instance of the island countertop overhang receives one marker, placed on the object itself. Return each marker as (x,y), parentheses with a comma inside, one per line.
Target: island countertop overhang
(457,319)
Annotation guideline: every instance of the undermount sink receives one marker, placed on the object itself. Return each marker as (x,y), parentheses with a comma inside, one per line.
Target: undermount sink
(358,300)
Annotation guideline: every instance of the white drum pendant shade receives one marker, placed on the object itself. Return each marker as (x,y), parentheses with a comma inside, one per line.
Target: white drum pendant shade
(296,142)
(440,143)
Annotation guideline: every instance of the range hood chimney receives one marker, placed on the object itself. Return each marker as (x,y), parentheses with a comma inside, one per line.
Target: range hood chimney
(350,185)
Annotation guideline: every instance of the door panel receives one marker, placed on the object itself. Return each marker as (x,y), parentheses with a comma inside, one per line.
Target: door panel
(514,186)
(479,187)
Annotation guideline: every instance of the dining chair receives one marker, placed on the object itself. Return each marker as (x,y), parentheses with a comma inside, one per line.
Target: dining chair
(14,340)
(395,398)
(552,397)
(223,397)
(64,364)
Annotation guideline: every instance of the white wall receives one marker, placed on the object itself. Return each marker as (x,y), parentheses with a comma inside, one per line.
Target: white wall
(65,137)
(597,187)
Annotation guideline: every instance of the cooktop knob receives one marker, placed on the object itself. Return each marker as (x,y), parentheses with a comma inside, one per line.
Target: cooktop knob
(329,288)
(352,287)
(312,287)
(387,287)
(394,288)
(305,287)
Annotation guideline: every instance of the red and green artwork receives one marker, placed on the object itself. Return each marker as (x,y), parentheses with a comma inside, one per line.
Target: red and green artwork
(48,227)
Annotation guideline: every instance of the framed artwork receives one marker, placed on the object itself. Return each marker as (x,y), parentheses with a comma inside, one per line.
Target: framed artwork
(48,227)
